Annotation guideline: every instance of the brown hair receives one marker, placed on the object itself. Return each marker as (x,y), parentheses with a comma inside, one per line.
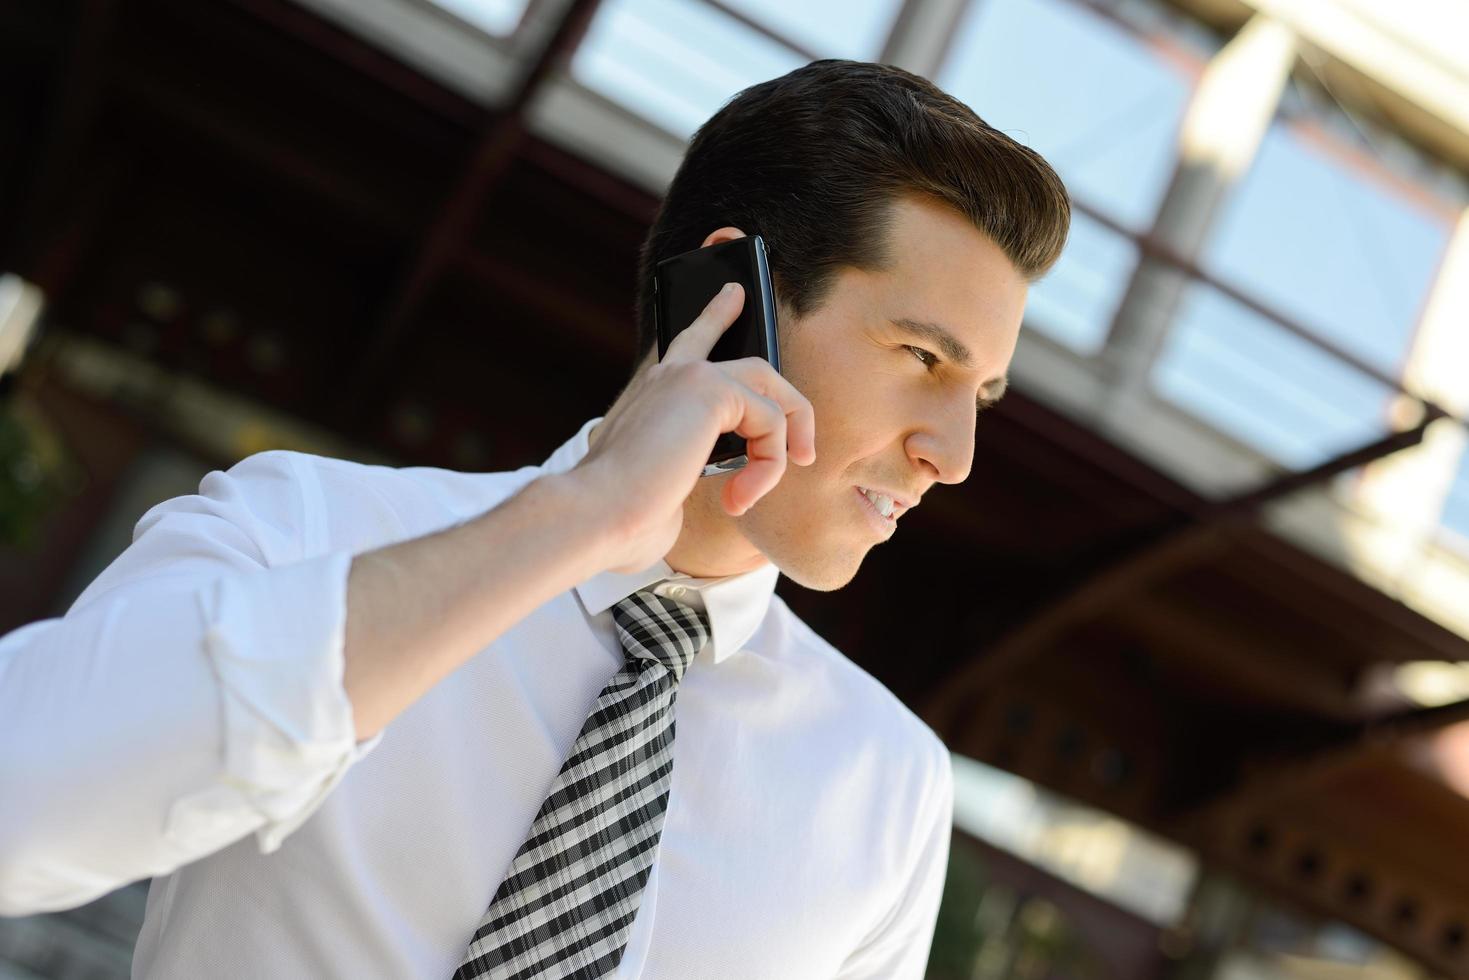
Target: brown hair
(812,160)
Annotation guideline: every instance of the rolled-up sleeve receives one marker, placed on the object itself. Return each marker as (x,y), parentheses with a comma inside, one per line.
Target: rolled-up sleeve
(191,696)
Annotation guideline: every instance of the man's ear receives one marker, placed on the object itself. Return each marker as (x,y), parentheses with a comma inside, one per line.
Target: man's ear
(726,234)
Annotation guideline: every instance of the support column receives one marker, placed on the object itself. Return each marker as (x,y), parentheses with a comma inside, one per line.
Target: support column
(1406,492)
(21,303)
(1221,134)
(922,33)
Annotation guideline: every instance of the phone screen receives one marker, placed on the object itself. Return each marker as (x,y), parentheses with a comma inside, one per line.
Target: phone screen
(684,284)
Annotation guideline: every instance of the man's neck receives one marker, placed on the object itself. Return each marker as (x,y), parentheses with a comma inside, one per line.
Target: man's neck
(710,545)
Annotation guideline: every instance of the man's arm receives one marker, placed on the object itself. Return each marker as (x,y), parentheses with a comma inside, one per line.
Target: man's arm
(217,678)
(214,681)
(419,609)
(898,949)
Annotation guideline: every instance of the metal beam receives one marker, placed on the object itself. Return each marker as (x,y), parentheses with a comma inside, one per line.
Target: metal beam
(1283,562)
(1177,544)
(1151,246)
(244,140)
(1220,135)
(1305,769)
(1269,674)
(1413,56)
(76,84)
(593,330)
(922,35)
(310,27)
(445,234)
(765,30)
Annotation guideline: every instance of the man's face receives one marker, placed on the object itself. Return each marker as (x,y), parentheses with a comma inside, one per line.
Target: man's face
(889,417)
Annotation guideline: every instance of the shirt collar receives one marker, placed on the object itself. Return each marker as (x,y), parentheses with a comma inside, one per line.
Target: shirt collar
(735,604)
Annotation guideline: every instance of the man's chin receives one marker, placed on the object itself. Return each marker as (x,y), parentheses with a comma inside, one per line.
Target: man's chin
(820,558)
(821,570)
(826,579)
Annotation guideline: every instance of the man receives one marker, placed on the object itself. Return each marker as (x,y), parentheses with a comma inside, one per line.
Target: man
(363,721)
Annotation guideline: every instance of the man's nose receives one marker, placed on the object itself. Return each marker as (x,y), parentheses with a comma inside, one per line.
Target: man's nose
(946,445)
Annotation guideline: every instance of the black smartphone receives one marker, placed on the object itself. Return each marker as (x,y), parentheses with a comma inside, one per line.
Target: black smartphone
(684,284)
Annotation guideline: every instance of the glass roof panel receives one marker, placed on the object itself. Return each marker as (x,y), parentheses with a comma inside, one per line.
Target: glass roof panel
(1075,302)
(1088,94)
(675,62)
(494,16)
(1456,508)
(1271,389)
(1318,238)
(836,28)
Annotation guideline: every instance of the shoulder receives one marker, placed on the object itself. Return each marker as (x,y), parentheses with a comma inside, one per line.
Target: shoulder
(884,767)
(853,693)
(382,499)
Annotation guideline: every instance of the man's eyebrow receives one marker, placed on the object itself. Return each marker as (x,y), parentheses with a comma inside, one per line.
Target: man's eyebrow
(954,349)
(939,336)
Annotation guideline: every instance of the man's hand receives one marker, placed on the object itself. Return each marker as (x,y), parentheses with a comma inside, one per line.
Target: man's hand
(654,441)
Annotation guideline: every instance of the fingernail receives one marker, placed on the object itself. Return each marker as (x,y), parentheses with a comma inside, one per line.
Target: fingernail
(728,288)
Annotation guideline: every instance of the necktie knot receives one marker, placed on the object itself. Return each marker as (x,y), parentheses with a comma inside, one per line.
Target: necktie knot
(568,900)
(660,630)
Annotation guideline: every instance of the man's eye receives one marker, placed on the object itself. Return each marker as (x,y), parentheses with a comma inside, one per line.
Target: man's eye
(920,353)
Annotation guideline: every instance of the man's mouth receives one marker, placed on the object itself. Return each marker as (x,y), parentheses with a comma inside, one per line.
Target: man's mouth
(881,502)
(884,524)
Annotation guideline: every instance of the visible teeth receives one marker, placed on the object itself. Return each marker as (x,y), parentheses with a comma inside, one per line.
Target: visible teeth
(881,501)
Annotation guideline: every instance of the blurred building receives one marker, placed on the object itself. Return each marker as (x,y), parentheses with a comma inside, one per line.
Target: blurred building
(1197,627)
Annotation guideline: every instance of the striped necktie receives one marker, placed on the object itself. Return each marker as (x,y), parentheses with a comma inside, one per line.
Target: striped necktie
(566,906)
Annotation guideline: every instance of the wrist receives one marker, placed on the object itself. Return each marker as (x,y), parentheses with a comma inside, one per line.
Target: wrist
(577,513)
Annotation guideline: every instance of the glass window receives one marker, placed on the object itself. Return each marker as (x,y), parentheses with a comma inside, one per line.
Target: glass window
(831,28)
(1332,227)
(675,62)
(1271,389)
(1456,508)
(1313,234)
(1091,96)
(1076,300)
(1094,850)
(1099,103)
(495,16)
(1307,99)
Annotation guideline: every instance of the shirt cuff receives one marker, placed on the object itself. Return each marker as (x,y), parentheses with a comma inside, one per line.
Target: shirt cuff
(274,639)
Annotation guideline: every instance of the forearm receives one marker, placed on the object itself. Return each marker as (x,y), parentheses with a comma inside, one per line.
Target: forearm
(194,693)
(419,609)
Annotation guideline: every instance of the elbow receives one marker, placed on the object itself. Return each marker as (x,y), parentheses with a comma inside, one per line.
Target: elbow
(22,890)
(41,866)
(35,879)
(18,844)
(21,845)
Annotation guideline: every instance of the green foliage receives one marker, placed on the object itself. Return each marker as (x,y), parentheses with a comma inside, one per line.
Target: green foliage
(36,473)
(989,930)
(957,935)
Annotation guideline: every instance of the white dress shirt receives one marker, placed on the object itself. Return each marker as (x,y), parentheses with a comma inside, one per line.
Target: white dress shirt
(186,721)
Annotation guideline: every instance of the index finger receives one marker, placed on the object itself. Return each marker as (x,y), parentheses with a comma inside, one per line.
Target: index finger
(696,341)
